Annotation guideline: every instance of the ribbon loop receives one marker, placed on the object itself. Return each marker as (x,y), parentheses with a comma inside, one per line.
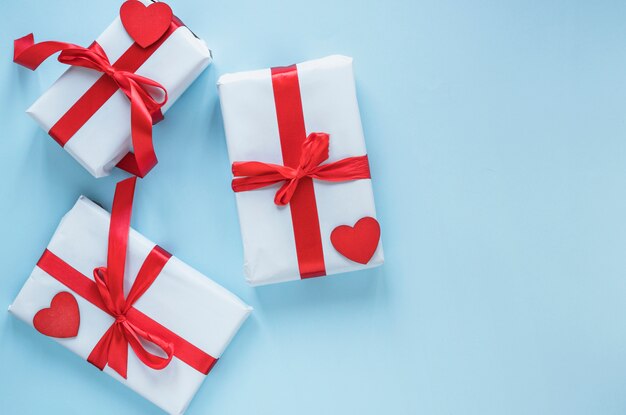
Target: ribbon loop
(134,335)
(251,175)
(101,278)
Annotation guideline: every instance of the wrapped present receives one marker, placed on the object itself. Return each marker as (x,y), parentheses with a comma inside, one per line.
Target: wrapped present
(105,104)
(302,177)
(127,306)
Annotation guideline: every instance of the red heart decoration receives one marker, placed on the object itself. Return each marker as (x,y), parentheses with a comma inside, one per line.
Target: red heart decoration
(144,24)
(357,243)
(61,320)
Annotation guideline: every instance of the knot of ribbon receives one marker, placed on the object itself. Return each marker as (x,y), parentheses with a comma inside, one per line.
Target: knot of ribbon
(251,175)
(112,348)
(145,109)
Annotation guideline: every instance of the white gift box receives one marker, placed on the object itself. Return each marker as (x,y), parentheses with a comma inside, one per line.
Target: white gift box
(105,138)
(329,103)
(181,299)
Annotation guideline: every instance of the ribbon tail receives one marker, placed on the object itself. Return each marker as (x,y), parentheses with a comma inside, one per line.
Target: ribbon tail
(285,193)
(118,351)
(129,165)
(30,54)
(99,356)
(144,158)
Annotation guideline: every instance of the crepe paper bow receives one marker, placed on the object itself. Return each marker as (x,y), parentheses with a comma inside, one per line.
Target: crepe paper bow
(112,348)
(251,175)
(145,109)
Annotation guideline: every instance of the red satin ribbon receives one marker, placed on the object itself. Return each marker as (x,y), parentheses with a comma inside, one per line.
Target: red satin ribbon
(303,157)
(145,110)
(106,291)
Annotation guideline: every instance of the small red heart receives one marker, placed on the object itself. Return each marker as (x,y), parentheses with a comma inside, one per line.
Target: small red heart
(357,243)
(144,24)
(61,320)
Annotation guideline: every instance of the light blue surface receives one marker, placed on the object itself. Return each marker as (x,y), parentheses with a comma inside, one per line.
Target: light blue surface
(497,138)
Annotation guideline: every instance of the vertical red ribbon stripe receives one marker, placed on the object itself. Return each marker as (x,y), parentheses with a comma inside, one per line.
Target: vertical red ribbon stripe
(303,206)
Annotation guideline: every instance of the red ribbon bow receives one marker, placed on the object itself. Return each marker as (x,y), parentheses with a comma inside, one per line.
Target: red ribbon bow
(135,87)
(112,348)
(145,109)
(252,175)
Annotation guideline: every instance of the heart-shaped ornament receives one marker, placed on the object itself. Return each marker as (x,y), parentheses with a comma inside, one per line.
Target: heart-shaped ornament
(61,320)
(357,243)
(145,24)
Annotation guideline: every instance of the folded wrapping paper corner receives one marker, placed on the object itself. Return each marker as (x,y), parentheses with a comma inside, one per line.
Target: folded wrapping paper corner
(260,109)
(201,316)
(94,125)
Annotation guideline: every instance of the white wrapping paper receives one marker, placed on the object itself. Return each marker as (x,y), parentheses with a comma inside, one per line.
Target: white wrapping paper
(330,105)
(181,299)
(105,138)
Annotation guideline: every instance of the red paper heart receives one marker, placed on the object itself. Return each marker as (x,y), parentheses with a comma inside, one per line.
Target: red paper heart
(144,24)
(357,243)
(61,320)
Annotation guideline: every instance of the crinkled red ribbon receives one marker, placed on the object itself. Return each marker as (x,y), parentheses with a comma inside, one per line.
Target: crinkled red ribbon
(106,291)
(303,157)
(251,175)
(145,110)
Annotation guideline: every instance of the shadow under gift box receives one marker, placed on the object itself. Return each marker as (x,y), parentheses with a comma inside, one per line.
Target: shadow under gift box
(329,105)
(181,299)
(105,138)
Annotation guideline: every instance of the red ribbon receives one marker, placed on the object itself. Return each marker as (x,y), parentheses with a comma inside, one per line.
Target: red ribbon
(303,157)
(145,109)
(106,291)
(251,175)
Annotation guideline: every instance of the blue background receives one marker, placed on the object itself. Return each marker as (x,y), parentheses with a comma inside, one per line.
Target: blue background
(496,134)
